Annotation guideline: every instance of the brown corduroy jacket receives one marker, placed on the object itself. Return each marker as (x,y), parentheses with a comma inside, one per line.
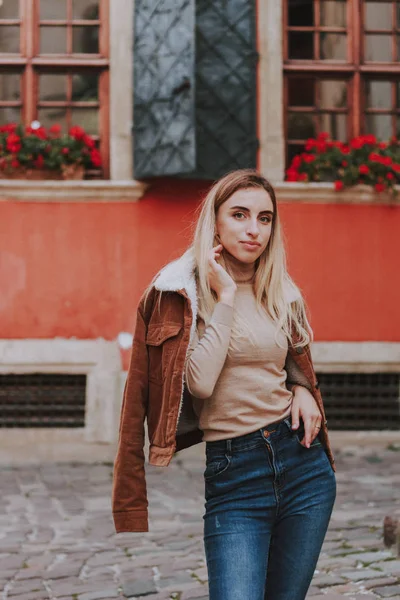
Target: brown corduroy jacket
(155,390)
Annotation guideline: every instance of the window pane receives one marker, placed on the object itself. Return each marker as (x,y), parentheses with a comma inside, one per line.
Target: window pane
(379,125)
(9,9)
(53,40)
(10,86)
(378,15)
(301,91)
(86,118)
(333,94)
(333,14)
(333,46)
(85,40)
(85,9)
(378,48)
(85,87)
(300,45)
(53,9)
(301,126)
(53,87)
(10,114)
(301,13)
(335,124)
(378,94)
(53,116)
(9,39)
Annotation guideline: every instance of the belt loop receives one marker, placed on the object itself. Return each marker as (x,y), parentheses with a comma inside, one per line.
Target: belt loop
(229,447)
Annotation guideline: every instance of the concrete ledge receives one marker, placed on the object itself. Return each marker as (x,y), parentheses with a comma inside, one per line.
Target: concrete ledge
(325,193)
(356,357)
(71,191)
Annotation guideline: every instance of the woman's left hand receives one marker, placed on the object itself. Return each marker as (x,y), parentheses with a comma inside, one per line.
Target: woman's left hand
(305,406)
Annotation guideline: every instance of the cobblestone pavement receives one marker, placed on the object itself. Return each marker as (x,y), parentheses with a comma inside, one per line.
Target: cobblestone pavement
(57,538)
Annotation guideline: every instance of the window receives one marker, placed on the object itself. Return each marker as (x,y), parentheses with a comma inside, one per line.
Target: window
(341,69)
(54,65)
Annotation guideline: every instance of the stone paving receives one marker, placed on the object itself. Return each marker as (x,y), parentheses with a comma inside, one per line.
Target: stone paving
(57,539)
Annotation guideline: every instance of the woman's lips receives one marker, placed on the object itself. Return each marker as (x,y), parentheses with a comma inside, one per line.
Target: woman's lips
(249,246)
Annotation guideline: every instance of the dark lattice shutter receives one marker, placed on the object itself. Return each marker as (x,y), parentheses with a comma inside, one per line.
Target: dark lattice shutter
(226,61)
(195,87)
(164,120)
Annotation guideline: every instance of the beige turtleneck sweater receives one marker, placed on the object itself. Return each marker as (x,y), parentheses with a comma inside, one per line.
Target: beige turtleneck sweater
(238,382)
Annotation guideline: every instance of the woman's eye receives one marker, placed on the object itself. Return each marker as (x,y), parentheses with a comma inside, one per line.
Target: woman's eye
(267,219)
(236,214)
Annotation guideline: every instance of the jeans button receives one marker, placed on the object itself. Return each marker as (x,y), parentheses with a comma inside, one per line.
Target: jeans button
(266,434)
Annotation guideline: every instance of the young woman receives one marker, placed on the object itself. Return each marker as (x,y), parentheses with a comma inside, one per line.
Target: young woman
(221,353)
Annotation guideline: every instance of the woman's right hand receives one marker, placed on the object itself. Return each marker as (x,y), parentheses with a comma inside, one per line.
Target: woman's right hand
(220,281)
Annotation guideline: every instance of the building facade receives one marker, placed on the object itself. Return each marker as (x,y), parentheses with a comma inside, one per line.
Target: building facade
(176,94)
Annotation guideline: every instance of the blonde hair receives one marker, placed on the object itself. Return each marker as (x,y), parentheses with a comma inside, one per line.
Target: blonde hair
(271,282)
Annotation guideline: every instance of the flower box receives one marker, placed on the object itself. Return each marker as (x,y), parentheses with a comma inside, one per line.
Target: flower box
(74,172)
(363,161)
(35,153)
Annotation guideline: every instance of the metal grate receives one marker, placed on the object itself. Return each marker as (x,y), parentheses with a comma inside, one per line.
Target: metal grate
(363,401)
(42,400)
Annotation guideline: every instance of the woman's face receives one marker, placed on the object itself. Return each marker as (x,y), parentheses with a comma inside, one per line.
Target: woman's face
(245,217)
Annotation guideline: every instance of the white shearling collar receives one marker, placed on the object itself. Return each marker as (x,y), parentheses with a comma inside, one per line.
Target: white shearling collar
(179,274)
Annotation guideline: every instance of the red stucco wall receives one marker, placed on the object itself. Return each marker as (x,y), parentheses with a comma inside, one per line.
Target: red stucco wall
(79,269)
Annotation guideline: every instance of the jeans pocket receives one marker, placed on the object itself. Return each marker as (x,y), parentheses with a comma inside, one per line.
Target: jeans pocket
(216,465)
(299,436)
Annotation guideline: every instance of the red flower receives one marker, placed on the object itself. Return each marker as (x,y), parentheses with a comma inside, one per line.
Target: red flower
(363,169)
(379,187)
(41,133)
(339,185)
(292,175)
(89,141)
(13,143)
(77,132)
(65,151)
(15,163)
(357,143)
(344,163)
(390,176)
(345,149)
(310,144)
(396,168)
(9,128)
(382,145)
(39,162)
(308,158)
(303,177)
(96,158)
(296,162)
(324,135)
(55,129)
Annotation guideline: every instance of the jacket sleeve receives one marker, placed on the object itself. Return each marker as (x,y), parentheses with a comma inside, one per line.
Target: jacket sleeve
(129,493)
(295,375)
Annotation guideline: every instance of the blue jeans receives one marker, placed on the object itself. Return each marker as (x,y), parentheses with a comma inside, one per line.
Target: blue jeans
(268,504)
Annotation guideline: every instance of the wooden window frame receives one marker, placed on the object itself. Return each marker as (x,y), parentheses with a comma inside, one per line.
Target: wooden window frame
(355,69)
(30,63)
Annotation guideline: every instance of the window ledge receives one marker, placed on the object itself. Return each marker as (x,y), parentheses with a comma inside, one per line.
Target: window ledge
(325,193)
(71,191)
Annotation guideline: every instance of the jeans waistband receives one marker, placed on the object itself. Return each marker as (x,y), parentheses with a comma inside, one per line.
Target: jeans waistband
(275,430)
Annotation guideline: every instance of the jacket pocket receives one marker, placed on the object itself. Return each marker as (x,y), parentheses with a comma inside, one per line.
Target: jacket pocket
(162,343)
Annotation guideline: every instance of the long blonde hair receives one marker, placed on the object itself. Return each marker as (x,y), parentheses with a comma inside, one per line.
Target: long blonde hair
(272,283)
